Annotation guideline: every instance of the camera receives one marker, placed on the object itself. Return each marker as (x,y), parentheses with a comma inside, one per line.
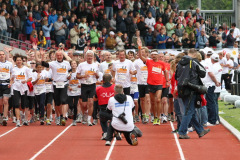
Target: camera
(198,88)
(122,118)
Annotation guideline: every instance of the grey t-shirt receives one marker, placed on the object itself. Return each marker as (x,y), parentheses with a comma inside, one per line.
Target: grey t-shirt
(57,25)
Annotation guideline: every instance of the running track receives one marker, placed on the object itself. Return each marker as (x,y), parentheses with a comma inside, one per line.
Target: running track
(83,142)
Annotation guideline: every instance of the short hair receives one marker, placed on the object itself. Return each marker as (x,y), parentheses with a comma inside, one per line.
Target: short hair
(234,24)
(146,49)
(118,89)
(107,78)
(17,56)
(192,51)
(231,31)
(89,51)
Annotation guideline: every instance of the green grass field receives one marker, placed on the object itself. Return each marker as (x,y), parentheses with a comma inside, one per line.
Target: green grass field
(232,116)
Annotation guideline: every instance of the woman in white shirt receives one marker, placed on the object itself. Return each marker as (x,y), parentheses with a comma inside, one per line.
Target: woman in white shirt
(21,75)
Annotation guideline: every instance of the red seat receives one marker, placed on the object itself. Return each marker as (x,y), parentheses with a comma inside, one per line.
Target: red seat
(15,45)
(12,42)
(24,46)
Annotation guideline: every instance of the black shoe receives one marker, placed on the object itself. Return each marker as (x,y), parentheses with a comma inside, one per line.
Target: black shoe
(205,131)
(175,131)
(184,137)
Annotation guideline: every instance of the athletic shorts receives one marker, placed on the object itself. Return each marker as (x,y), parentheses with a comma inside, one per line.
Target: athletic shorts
(30,102)
(165,92)
(170,96)
(60,95)
(135,96)
(49,98)
(154,88)
(126,91)
(143,90)
(5,91)
(17,97)
(87,91)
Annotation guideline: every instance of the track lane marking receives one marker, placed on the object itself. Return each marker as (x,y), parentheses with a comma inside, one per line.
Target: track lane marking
(52,141)
(8,132)
(177,142)
(111,149)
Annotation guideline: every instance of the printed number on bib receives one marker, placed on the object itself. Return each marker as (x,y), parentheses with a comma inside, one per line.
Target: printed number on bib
(59,84)
(4,72)
(20,77)
(156,70)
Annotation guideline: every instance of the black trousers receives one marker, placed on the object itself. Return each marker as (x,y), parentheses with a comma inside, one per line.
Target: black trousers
(227,80)
(72,102)
(104,117)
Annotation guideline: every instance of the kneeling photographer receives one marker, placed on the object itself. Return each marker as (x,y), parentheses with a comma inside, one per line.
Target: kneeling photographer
(188,74)
(121,106)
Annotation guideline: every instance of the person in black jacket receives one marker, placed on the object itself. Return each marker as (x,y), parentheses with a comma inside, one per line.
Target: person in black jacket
(213,40)
(231,39)
(191,70)
(130,26)
(165,17)
(104,23)
(142,26)
(120,21)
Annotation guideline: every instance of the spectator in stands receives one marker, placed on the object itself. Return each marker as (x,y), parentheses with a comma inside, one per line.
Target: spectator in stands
(152,8)
(202,40)
(118,4)
(108,5)
(142,27)
(149,38)
(22,12)
(45,11)
(81,42)
(38,17)
(171,41)
(30,25)
(41,40)
(126,9)
(113,23)
(68,5)
(3,26)
(59,27)
(236,32)
(150,21)
(179,31)
(222,33)
(190,28)
(230,39)
(126,40)
(131,29)
(174,6)
(51,20)
(213,40)
(46,32)
(34,37)
(159,21)
(177,43)
(137,38)
(111,42)
(84,24)
(160,10)
(74,36)
(120,43)
(185,40)
(197,14)
(202,24)
(16,24)
(161,39)
(94,34)
(170,27)
(192,40)
(104,23)
(120,21)
(165,16)
(9,25)
(130,4)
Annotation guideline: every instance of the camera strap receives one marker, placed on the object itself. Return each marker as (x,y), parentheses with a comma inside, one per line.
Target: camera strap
(123,110)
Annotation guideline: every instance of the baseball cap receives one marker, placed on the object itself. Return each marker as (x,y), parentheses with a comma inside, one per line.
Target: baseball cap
(112,33)
(215,57)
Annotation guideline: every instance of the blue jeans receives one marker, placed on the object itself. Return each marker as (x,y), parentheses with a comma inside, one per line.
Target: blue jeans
(217,109)
(179,110)
(41,103)
(202,115)
(48,43)
(109,12)
(60,39)
(211,105)
(189,116)
(3,36)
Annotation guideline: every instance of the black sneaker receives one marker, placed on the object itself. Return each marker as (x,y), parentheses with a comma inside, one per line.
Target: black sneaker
(204,132)
(4,123)
(184,137)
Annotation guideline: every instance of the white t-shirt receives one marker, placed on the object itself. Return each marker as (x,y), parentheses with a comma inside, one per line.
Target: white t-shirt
(104,67)
(236,32)
(59,71)
(122,74)
(117,109)
(49,85)
(5,70)
(21,74)
(230,62)
(217,71)
(134,86)
(99,80)
(91,69)
(224,62)
(39,87)
(74,83)
(150,22)
(142,71)
(207,66)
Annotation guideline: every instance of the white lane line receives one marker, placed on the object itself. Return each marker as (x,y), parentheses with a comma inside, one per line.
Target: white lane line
(8,132)
(111,149)
(178,144)
(39,152)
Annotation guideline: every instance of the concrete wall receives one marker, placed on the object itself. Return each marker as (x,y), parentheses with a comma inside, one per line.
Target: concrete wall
(14,51)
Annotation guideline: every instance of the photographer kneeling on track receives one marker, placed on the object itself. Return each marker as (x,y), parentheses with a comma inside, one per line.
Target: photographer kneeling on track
(188,74)
(122,106)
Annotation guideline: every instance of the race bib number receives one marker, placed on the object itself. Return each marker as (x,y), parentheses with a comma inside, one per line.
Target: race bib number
(156,70)
(60,84)
(107,71)
(122,73)
(38,90)
(133,79)
(4,73)
(74,89)
(74,81)
(144,77)
(48,87)
(20,77)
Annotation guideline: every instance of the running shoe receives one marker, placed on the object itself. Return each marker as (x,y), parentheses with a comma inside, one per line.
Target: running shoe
(175,131)
(89,123)
(152,118)
(190,129)
(74,123)
(4,122)
(118,136)
(172,118)
(25,123)
(1,119)
(147,119)
(32,119)
(158,122)
(14,120)
(63,122)
(165,119)
(104,136)
(51,118)
(108,143)
(48,122)
(155,121)
(85,117)
(133,138)
(18,123)
(95,122)
(137,118)
(57,120)
(42,122)
(169,117)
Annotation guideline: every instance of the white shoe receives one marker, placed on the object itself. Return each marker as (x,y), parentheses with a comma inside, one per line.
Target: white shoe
(74,123)
(190,129)
(217,123)
(104,136)
(95,122)
(165,119)
(89,123)
(152,118)
(85,117)
(18,123)
(14,120)
(210,124)
(108,143)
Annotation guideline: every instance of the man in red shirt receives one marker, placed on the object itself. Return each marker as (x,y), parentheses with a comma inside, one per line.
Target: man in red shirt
(156,69)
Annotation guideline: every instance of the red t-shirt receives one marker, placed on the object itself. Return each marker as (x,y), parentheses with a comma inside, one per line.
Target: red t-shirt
(155,70)
(174,83)
(167,68)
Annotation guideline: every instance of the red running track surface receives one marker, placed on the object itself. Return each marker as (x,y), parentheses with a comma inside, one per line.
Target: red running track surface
(83,142)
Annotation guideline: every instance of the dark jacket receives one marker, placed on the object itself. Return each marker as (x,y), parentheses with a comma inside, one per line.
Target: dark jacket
(37,15)
(104,23)
(130,25)
(22,13)
(165,18)
(230,40)
(143,29)
(121,25)
(9,23)
(108,3)
(213,41)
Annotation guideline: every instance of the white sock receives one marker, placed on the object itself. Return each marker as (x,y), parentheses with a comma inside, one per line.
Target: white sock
(89,118)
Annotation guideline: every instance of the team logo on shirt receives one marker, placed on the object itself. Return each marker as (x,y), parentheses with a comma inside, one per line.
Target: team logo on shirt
(133,79)
(90,72)
(122,70)
(74,81)
(5,69)
(144,68)
(157,70)
(62,69)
